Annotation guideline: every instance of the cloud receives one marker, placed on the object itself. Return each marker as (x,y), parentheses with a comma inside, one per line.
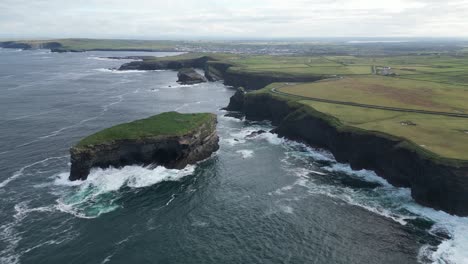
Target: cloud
(241,18)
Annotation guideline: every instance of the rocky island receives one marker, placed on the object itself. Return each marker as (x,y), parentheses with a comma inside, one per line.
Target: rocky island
(170,139)
(190,76)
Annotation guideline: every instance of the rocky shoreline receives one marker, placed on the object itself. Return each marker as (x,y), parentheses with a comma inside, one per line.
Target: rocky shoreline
(170,151)
(217,71)
(434,181)
(438,183)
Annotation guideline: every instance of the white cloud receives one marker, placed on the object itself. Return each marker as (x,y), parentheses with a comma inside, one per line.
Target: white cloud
(241,18)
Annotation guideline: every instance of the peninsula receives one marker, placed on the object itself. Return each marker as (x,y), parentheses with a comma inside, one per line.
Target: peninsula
(169,139)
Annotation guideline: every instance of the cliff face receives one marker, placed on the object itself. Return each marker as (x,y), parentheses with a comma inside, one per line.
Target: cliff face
(253,81)
(149,65)
(24,45)
(437,184)
(169,151)
(15,45)
(189,76)
(236,102)
(216,71)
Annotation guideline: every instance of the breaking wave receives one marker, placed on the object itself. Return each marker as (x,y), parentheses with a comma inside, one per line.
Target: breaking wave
(321,174)
(99,193)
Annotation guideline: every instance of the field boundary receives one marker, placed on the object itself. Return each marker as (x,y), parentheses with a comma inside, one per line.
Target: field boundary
(379,107)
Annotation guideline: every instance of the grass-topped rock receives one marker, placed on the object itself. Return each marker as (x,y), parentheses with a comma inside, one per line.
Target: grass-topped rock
(190,76)
(169,139)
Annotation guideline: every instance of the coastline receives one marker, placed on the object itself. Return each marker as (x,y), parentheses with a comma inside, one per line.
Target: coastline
(437,182)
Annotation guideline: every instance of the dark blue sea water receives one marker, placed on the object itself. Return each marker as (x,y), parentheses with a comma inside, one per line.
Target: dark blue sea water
(257,200)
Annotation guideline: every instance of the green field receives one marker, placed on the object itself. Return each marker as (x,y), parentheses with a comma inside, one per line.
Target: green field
(387,91)
(445,136)
(428,82)
(441,135)
(165,124)
(443,69)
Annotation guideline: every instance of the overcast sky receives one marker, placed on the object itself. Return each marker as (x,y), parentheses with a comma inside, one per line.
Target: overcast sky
(153,19)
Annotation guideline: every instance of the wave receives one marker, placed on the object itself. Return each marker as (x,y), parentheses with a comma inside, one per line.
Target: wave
(99,193)
(21,171)
(245,153)
(101,59)
(11,237)
(124,71)
(383,199)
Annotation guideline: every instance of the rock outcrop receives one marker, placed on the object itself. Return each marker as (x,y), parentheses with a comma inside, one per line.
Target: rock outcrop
(30,45)
(236,102)
(435,182)
(190,76)
(15,45)
(171,151)
(217,71)
(151,65)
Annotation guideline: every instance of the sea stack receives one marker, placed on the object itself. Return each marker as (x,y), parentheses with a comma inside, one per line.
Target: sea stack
(170,139)
(190,76)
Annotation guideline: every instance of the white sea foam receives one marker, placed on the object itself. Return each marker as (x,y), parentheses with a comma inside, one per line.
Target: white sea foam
(232,141)
(231,119)
(97,194)
(271,138)
(11,237)
(363,174)
(120,72)
(388,201)
(101,58)
(245,153)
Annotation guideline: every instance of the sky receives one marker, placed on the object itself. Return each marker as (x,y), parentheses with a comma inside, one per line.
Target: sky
(248,19)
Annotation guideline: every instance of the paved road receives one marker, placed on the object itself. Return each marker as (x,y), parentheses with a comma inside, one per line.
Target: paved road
(274,90)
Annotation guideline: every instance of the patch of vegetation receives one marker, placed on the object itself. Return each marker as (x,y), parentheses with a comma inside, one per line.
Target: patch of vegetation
(165,124)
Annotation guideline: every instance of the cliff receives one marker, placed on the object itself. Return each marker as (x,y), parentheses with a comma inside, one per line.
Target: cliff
(151,64)
(189,76)
(170,139)
(216,70)
(30,45)
(434,181)
(236,102)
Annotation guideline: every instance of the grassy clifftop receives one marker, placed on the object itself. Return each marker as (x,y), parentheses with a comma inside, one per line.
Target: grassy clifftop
(165,124)
(440,138)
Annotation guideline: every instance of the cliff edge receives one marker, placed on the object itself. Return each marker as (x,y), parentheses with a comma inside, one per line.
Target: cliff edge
(170,139)
(435,181)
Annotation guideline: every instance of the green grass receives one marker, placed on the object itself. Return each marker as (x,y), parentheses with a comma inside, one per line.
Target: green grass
(165,124)
(444,136)
(387,91)
(440,138)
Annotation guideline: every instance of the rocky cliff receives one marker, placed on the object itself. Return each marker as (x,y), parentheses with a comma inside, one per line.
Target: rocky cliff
(435,182)
(171,151)
(217,70)
(150,65)
(30,45)
(190,76)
